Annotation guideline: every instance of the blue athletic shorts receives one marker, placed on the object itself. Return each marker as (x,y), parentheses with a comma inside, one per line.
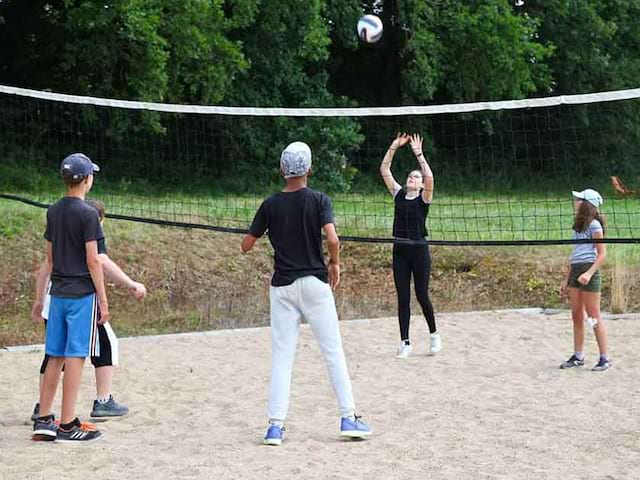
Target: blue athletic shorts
(72,328)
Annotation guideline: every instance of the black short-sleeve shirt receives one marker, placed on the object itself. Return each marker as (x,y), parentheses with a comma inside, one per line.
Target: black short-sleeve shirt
(102,246)
(410,216)
(70,224)
(294,221)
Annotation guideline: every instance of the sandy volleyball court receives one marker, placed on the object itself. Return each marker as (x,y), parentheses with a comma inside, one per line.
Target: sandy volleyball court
(492,405)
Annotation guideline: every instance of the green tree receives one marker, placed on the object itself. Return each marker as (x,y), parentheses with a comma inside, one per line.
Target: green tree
(288,54)
(472,51)
(596,50)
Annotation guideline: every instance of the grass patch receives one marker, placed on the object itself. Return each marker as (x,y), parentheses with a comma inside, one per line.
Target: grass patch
(505,217)
(199,280)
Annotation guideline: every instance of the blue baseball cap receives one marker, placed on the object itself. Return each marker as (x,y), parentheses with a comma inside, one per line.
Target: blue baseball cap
(78,166)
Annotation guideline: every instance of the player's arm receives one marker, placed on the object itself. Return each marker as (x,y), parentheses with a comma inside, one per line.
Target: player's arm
(259,226)
(427,174)
(385,167)
(42,279)
(333,245)
(248,242)
(114,273)
(97,275)
(564,286)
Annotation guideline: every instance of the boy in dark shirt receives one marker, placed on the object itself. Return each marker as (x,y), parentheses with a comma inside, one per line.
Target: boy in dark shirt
(77,289)
(104,405)
(301,286)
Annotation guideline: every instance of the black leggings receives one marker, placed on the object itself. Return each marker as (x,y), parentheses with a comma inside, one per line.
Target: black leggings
(408,259)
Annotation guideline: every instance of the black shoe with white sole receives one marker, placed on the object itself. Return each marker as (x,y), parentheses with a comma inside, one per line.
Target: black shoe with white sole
(77,433)
(572,362)
(44,429)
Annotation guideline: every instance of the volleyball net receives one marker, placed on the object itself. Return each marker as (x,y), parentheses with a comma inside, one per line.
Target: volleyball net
(504,171)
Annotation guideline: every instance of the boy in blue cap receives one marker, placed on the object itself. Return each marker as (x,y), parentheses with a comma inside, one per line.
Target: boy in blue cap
(77,290)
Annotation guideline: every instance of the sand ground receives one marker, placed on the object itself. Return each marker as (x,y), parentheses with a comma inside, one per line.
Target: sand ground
(492,405)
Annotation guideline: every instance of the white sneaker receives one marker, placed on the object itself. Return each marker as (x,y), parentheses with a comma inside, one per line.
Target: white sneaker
(404,350)
(436,342)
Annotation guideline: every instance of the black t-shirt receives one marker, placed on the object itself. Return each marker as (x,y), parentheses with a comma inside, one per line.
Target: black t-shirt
(102,246)
(294,222)
(410,216)
(70,224)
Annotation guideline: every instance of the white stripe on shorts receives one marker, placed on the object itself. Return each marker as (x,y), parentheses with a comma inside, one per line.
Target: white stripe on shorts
(46,305)
(113,343)
(94,345)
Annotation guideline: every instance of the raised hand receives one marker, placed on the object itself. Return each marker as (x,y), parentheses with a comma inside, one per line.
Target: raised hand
(400,141)
(416,144)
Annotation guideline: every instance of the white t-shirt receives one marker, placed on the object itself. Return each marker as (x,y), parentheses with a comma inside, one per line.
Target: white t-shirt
(586,252)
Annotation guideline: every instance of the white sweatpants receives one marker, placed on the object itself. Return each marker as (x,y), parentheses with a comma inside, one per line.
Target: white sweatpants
(313,299)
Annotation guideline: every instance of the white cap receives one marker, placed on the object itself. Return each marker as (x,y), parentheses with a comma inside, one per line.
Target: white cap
(590,195)
(295,160)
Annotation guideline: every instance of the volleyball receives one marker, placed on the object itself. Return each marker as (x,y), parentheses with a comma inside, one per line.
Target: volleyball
(370,28)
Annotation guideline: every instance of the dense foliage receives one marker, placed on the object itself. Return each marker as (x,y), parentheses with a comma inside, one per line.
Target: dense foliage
(299,53)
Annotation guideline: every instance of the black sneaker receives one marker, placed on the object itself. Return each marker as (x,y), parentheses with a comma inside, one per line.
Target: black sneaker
(602,365)
(36,413)
(44,429)
(572,362)
(109,409)
(77,433)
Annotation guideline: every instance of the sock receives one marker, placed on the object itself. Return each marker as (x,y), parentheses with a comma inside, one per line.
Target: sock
(277,423)
(351,417)
(604,357)
(579,355)
(103,400)
(435,334)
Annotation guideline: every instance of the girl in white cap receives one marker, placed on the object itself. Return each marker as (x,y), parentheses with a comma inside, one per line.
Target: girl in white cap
(583,280)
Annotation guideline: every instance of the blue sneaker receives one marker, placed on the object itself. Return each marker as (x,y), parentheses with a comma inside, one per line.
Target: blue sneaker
(354,428)
(274,435)
(109,409)
(44,429)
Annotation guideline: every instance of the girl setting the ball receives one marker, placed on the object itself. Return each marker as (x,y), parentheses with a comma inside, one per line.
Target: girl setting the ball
(410,248)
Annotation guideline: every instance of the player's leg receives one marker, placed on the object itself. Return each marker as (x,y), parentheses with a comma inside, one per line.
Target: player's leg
(55,342)
(44,427)
(81,343)
(319,308)
(421,268)
(591,299)
(105,405)
(285,321)
(577,317)
(402,280)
